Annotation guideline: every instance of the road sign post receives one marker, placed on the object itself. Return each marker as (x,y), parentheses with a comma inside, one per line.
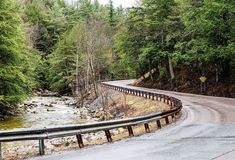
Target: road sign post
(203,84)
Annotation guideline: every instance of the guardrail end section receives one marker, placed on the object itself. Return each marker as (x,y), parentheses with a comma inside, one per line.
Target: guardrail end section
(1,151)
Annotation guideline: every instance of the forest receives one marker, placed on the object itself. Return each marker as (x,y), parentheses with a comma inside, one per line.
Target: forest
(67,48)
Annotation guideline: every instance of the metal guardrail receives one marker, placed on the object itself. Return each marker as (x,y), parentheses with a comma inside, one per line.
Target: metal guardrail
(77,130)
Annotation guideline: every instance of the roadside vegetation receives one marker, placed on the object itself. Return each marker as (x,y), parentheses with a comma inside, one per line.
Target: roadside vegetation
(67,48)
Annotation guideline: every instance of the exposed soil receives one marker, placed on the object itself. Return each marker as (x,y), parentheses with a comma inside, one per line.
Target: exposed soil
(132,106)
(187,80)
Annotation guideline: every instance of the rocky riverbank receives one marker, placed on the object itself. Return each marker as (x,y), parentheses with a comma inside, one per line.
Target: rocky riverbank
(52,111)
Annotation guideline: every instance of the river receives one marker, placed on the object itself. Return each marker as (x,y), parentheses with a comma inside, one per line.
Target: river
(44,112)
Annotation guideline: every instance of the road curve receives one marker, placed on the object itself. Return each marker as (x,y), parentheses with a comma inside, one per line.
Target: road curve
(205,131)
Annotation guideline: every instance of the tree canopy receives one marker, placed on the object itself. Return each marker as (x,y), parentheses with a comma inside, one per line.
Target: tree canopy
(50,44)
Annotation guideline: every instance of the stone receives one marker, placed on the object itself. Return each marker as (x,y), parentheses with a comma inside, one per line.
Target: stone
(67,144)
(115,132)
(26,103)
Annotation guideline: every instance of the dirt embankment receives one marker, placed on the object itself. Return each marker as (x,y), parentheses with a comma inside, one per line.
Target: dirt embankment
(111,105)
(187,80)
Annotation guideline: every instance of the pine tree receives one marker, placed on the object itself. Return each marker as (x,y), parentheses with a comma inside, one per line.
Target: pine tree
(12,81)
(111,14)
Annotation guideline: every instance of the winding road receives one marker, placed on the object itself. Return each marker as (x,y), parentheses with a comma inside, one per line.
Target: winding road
(205,131)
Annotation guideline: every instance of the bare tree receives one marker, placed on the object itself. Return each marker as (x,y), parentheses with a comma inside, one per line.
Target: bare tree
(94,46)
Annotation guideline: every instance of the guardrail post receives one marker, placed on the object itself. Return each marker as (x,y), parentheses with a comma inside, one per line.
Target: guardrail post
(164,99)
(108,135)
(153,96)
(167,120)
(159,98)
(168,101)
(80,141)
(159,124)
(41,147)
(1,151)
(146,126)
(130,130)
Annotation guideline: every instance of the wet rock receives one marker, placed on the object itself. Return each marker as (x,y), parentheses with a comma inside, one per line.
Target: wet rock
(76,113)
(50,105)
(54,102)
(64,98)
(26,103)
(49,94)
(67,144)
(21,106)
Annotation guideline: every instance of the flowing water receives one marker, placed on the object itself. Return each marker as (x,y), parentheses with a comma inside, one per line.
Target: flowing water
(44,112)
(40,112)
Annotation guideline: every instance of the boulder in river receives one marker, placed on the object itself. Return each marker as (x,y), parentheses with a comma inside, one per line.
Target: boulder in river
(51,105)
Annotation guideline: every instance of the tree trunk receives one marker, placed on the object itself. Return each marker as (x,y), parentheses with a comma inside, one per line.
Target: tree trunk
(171,68)
(150,71)
(77,76)
(216,74)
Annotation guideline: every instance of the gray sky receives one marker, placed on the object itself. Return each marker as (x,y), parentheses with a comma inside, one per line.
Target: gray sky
(124,3)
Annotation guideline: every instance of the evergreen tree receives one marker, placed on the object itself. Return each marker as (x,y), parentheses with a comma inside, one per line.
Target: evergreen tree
(13,84)
(111,14)
(149,35)
(209,37)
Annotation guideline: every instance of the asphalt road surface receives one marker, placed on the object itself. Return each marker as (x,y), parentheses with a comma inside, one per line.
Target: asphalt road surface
(205,131)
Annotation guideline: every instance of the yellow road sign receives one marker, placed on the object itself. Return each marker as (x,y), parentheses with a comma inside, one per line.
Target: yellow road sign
(203,79)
